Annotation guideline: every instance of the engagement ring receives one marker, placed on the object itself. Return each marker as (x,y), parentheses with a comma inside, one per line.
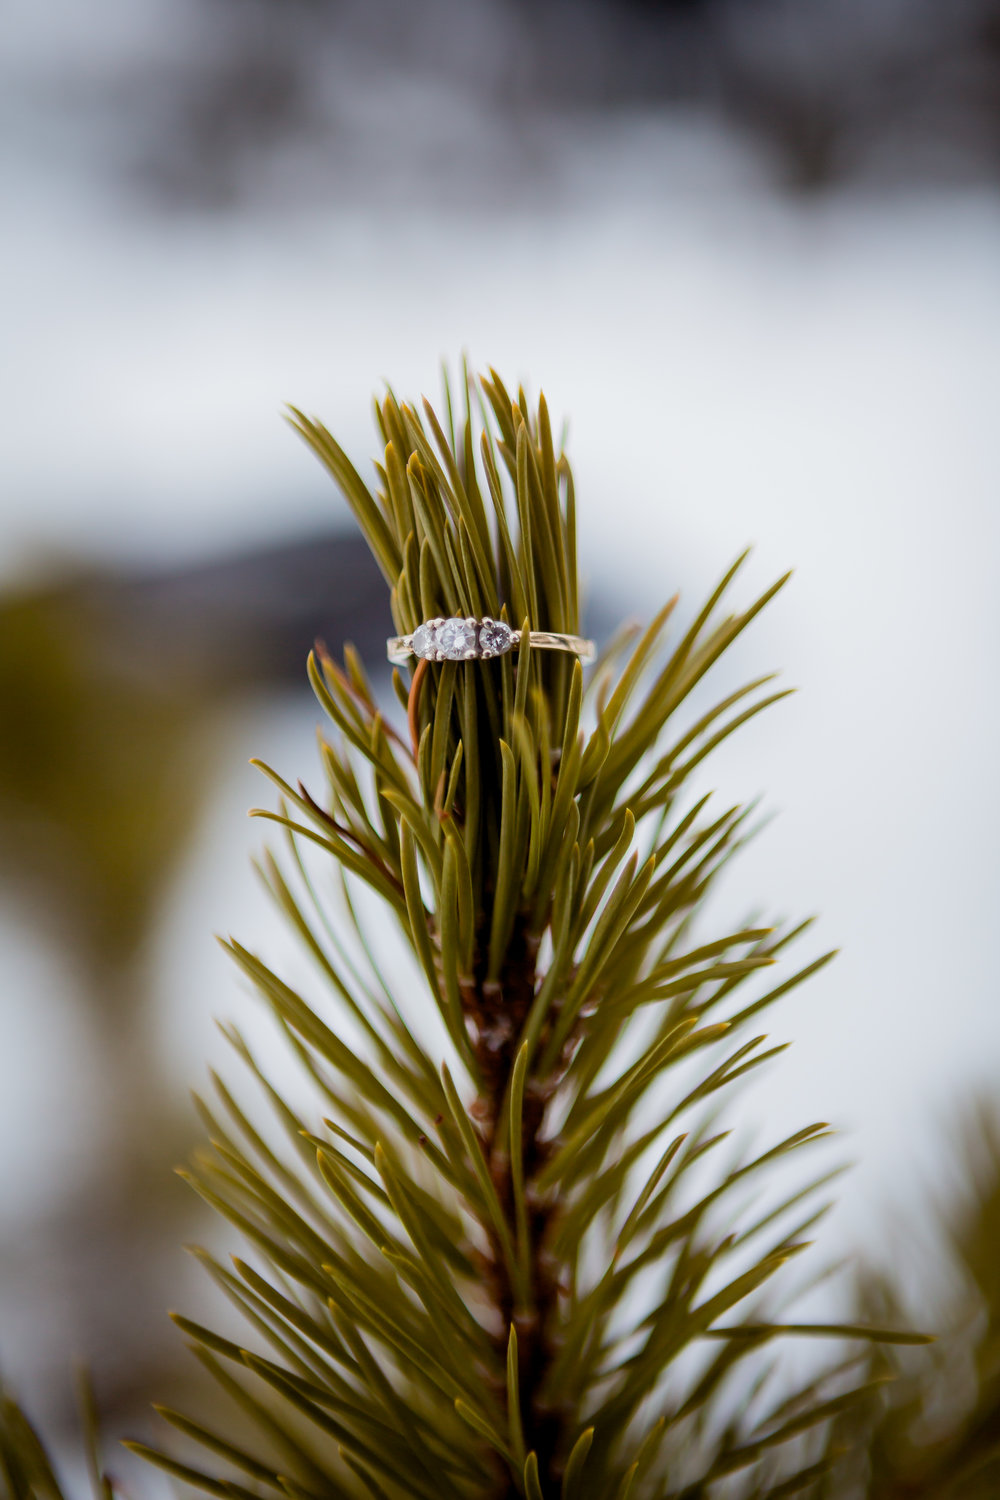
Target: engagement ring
(478,640)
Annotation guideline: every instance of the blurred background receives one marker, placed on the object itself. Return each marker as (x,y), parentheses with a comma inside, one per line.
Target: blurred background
(752,249)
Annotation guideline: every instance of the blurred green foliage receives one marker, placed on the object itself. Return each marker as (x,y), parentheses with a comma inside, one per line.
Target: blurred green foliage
(100,780)
(933,1431)
(105,765)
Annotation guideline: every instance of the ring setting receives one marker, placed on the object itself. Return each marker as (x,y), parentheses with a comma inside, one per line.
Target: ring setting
(468,639)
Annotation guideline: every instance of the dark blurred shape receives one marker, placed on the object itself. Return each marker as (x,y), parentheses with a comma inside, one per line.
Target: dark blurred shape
(934,1432)
(250,620)
(293,103)
(888,89)
(894,91)
(243,91)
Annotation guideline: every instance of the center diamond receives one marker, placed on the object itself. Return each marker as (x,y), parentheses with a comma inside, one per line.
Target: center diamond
(456,640)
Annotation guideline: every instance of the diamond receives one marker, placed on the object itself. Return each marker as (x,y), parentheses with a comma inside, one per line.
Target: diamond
(494,638)
(424,643)
(456,639)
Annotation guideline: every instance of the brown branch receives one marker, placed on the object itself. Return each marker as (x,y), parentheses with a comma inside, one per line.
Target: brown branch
(496,1014)
(413,703)
(350,837)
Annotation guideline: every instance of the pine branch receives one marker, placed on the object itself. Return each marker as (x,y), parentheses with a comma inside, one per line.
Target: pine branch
(502,1270)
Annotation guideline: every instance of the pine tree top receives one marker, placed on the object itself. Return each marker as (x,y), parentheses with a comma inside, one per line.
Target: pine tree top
(509,1254)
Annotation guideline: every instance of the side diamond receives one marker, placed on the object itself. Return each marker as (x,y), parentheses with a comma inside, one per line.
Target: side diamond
(494,638)
(424,643)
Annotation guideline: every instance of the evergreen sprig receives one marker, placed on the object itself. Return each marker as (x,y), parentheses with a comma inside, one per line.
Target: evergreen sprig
(505,1265)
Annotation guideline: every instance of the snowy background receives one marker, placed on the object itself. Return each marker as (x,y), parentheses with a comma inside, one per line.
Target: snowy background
(769,304)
